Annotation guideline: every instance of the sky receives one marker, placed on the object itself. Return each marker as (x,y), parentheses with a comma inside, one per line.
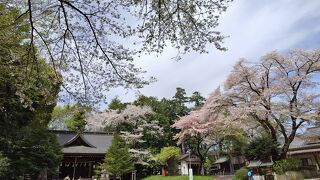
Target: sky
(254,29)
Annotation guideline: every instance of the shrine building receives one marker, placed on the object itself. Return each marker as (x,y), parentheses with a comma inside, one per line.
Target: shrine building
(82,152)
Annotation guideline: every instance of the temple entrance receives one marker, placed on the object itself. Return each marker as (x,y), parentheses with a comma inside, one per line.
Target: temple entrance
(76,167)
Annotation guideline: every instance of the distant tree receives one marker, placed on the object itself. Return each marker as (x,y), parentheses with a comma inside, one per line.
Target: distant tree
(164,113)
(118,160)
(278,93)
(170,156)
(116,104)
(204,128)
(179,101)
(234,144)
(261,148)
(70,117)
(197,99)
(132,125)
(78,121)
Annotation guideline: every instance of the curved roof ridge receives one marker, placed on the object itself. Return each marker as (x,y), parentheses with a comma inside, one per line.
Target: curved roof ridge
(79,135)
(84,132)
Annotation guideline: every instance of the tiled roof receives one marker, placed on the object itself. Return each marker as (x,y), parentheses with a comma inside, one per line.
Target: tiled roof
(221,160)
(83,150)
(193,157)
(259,164)
(99,142)
(309,141)
(313,133)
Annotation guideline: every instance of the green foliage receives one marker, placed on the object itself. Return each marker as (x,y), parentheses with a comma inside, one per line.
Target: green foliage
(234,144)
(168,153)
(179,100)
(117,160)
(116,104)
(166,111)
(39,149)
(4,165)
(78,122)
(197,99)
(241,174)
(27,91)
(284,165)
(261,148)
(28,94)
(71,117)
(170,156)
(207,164)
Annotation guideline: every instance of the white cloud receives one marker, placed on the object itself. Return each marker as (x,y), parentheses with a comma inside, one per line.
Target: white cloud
(255,28)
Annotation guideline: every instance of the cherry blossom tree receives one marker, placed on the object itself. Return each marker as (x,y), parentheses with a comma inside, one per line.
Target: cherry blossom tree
(137,127)
(206,126)
(131,115)
(92,42)
(280,93)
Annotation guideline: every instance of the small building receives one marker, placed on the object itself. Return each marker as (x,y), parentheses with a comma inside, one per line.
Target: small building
(260,167)
(186,161)
(226,165)
(223,164)
(82,152)
(306,147)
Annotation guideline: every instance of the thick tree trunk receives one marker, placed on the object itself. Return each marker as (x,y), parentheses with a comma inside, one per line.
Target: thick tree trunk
(284,150)
(172,167)
(202,171)
(274,153)
(286,145)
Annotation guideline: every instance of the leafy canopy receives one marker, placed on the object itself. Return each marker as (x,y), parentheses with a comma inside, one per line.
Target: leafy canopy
(261,148)
(28,93)
(168,153)
(71,117)
(288,164)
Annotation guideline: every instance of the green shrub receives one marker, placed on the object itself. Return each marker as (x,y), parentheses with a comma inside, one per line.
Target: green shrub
(261,148)
(241,174)
(284,165)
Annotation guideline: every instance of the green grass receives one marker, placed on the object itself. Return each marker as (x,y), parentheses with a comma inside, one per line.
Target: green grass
(179,178)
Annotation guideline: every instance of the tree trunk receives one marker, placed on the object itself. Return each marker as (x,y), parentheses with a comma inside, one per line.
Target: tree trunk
(202,171)
(231,164)
(172,167)
(286,145)
(274,153)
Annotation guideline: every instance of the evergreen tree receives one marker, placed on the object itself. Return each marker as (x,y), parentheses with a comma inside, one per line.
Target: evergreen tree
(261,148)
(116,104)
(78,122)
(70,117)
(28,94)
(197,99)
(118,161)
